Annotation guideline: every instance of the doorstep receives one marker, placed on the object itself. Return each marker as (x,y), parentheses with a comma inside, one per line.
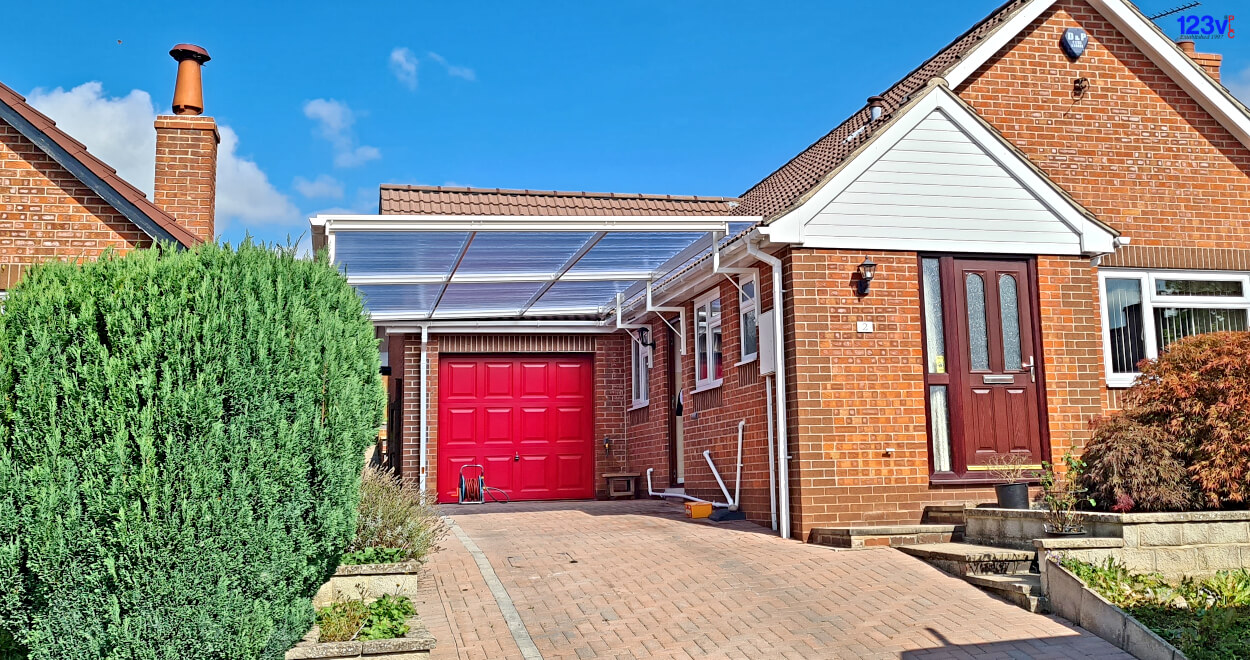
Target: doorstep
(870,536)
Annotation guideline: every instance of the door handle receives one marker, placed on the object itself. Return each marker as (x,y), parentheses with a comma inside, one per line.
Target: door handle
(1032,370)
(517,457)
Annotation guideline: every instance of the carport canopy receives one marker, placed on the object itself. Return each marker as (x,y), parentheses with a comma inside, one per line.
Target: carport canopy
(436,267)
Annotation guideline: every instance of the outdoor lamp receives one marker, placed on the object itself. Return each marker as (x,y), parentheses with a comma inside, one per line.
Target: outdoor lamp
(867,271)
(644,337)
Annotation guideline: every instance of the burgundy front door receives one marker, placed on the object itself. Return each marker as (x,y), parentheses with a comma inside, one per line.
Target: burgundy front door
(527,419)
(996,370)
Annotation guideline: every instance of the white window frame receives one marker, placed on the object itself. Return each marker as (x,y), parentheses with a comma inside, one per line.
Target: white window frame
(1151,300)
(639,373)
(744,306)
(711,382)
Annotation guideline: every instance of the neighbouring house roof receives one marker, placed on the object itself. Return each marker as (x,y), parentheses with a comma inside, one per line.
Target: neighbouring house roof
(444,200)
(93,172)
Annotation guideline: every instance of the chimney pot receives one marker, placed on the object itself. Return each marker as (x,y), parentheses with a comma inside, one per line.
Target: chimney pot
(189,89)
(1187,46)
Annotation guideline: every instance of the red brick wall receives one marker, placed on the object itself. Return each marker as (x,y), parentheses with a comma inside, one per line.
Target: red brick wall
(45,212)
(611,388)
(711,417)
(858,394)
(186,171)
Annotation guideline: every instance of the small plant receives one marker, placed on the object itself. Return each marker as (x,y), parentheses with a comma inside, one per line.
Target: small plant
(349,620)
(1062,493)
(399,522)
(1206,620)
(373,555)
(1012,468)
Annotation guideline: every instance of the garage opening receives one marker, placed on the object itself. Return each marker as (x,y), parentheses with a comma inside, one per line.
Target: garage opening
(527,419)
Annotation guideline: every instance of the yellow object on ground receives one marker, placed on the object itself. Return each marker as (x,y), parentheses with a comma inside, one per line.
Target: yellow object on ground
(698,509)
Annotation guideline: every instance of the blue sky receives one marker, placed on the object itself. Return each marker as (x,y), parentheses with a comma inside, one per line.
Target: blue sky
(325,101)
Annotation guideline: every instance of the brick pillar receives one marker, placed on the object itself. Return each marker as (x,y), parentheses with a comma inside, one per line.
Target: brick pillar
(186,170)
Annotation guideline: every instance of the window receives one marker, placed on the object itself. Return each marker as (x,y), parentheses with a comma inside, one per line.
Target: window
(640,373)
(1145,311)
(708,367)
(935,358)
(748,306)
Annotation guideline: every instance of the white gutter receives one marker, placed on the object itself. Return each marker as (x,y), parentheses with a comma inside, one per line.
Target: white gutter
(779,346)
(425,409)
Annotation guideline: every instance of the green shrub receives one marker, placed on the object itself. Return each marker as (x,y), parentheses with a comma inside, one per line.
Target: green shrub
(1131,465)
(374,556)
(384,618)
(181,440)
(394,517)
(1192,404)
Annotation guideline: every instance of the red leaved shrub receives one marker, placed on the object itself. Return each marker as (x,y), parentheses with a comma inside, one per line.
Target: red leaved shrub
(1190,409)
(1133,466)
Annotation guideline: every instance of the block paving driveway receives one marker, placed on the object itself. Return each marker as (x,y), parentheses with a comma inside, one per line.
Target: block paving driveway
(635,579)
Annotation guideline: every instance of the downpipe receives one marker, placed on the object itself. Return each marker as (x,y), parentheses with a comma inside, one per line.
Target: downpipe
(652,493)
(734,502)
(779,343)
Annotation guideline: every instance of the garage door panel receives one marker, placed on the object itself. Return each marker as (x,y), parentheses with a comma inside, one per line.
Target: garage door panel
(528,419)
(498,377)
(498,426)
(458,382)
(534,380)
(499,471)
(571,380)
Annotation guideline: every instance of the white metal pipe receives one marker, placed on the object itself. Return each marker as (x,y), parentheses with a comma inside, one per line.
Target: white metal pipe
(772,459)
(425,408)
(652,492)
(707,455)
(779,346)
(737,503)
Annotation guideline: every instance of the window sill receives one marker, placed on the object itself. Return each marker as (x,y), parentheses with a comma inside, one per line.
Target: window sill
(710,385)
(748,359)
(1119,381)
(638,405)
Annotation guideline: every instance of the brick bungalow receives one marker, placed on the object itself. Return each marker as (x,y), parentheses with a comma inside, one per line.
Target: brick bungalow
(967,268)
(57,200)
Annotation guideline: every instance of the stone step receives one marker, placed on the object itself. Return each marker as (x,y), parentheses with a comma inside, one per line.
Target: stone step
(868,536)
(1023,590)
(967,559)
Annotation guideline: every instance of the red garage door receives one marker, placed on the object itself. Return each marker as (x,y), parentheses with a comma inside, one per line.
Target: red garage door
(528,419)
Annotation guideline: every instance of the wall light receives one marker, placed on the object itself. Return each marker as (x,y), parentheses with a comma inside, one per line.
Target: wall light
(867,271)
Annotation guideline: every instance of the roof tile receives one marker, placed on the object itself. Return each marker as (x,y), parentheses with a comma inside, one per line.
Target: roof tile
(395,199)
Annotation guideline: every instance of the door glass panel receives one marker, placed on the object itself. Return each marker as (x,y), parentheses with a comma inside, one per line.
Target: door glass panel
(1175,323)
(940,428)
(1124,318)
(1198,288)
(978,339)
(935,341)
(1009,309)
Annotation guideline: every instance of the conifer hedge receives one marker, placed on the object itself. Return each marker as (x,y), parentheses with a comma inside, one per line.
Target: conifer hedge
(181,442)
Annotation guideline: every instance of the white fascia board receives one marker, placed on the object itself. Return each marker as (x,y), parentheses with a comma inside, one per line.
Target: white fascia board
(489,327)
(415,223)
(999,38)
(1094,237)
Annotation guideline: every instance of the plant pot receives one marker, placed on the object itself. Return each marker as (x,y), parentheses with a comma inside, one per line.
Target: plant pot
(1012,496)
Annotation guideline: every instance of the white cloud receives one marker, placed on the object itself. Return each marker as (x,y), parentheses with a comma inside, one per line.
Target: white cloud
(334,124)
(119,131)
(404,66)
(324,186)
(451,69)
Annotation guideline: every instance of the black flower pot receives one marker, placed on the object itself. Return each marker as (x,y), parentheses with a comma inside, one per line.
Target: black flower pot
(1012,496)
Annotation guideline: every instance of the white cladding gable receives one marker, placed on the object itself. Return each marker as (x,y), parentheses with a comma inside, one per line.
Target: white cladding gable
(938,178)
(937,189)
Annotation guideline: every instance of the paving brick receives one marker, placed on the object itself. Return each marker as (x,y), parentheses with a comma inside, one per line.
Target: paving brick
(679,589)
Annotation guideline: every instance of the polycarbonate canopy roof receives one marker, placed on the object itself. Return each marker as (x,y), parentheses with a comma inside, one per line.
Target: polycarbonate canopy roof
(417,268)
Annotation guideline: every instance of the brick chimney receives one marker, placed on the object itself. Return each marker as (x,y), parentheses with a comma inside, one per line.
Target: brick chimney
(1208,61)
(186,149)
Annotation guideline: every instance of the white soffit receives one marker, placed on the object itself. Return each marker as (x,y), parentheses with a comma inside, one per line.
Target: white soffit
(937,178)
